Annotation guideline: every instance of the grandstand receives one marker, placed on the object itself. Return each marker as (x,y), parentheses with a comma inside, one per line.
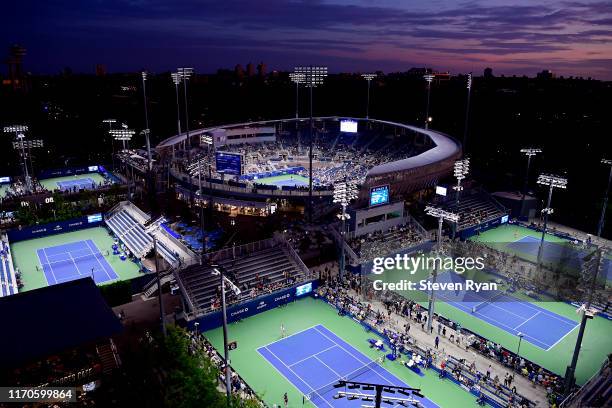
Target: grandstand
(256,268)
(8,279)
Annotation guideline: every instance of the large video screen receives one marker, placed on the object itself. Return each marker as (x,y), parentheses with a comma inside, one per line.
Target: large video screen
(348,126)
(379,195)
(94,218)
(5,180)
(304,289)
(229,163)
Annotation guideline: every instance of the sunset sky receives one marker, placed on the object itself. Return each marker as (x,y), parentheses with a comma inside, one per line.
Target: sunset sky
(511,36)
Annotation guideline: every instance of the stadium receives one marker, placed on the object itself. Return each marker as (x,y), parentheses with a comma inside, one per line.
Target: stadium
(255,255)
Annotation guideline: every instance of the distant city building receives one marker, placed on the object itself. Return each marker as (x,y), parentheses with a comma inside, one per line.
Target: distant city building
(545,74)
(261,69)
(17,79)
(100,70)
(488,72)
(250,69)
(239,71)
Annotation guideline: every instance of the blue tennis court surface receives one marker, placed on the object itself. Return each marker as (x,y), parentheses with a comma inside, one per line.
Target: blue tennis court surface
(314,360)
(80,183)
(74,260)
(539,326)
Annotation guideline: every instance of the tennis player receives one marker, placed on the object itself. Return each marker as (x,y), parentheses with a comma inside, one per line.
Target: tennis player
(283,331)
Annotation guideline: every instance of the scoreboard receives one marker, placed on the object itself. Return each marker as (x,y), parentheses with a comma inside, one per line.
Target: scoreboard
(229,163)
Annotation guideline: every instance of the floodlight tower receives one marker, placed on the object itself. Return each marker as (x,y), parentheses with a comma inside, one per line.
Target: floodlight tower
(220,271)
(21,144)
(529,152)
(377,398)
(552,182)
(344,193)
(124,135)
(110,123)
(441,215)
(428,78)
(297,78)
(461,170)
(197,167)
(176,80)
(147,131)
(313,76)
(368,78)
(467,111)
(185,74)
(602,217)
(593,265)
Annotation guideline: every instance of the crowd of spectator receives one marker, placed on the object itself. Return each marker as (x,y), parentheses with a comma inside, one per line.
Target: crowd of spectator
(381,243)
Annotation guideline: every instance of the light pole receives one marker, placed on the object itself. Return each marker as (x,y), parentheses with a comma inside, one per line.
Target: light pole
(518,350)
(220,271)
(21,144)
(467,111)
(368,78)
(124,135)
(146,131)
(593,264)
(110,123)
(461,170)
(529,152)
(297,78)
(428,78)
(185,74)
(344,193)
(552,182)
(313,76)
(377,398)
(441,215)
(602,217)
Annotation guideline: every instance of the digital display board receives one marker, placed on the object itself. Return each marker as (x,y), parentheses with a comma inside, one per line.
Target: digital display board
(94,218)
(441,190)
(348,126)
(229,163)
(304,289)
(504,219)
(379,195)
(92,168)
(5,180)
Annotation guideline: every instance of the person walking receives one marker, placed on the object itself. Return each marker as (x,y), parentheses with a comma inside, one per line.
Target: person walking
(437,341)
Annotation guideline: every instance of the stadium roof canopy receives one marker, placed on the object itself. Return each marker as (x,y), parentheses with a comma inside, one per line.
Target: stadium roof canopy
(50,320)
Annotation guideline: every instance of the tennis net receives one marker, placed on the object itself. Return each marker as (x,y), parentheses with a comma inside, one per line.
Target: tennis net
(487,301)
(350,376)
(75,260)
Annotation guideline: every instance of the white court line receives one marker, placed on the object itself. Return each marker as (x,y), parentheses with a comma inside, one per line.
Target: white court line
(334,371)
(564,336)
(75,264)
(526,321)
(352,355)
(294,373)
(97,260)
(484,317)
(313,355)
(48,263)
(291,335)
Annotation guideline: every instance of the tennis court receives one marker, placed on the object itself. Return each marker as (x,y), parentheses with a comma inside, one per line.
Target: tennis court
(74,260)
(314,359)
(85,181)
(284,180)
(538,326)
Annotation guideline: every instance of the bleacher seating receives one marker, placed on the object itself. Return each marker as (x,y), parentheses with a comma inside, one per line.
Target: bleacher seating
(270,265)
(131,232)
(8,280)
(474,209)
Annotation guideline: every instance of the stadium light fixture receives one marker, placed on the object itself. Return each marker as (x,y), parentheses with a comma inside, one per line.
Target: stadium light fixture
(147,131)
(552,182)
(218,270)
(297,78)
(467,111)
(602,217)
(124,135)
(21,144)
(441,215)
(429,79)
(313,77)
(184,74)
(344,193)
(529,152)
(378,397)
(368,78)
(176,80)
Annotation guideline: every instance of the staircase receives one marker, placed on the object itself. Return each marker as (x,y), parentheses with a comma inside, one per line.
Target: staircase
(109,357)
